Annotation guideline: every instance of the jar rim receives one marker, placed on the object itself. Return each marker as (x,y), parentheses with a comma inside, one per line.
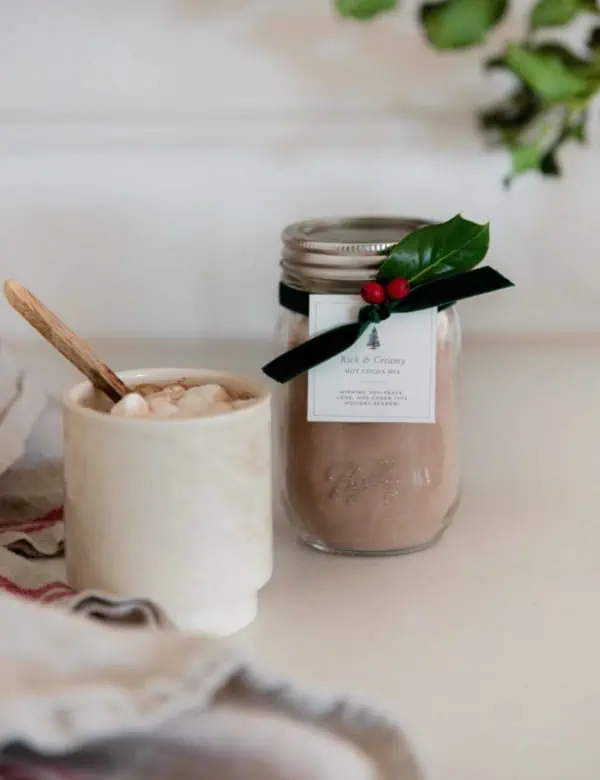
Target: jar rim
(338,254)
(365,235)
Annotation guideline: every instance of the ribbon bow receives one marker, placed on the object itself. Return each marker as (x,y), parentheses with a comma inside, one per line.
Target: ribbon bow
(439,293)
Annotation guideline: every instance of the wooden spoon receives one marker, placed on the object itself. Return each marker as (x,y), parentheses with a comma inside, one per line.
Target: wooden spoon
(64,340)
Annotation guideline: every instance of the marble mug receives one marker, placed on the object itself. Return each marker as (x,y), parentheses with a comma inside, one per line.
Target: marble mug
(177,511)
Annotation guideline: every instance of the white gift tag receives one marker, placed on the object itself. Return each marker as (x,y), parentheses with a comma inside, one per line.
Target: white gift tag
(387,376)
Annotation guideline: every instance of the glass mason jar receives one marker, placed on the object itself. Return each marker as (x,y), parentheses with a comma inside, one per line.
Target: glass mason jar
(363,488)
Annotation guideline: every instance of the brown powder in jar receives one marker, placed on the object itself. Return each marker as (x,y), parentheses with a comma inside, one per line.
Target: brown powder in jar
(374,486)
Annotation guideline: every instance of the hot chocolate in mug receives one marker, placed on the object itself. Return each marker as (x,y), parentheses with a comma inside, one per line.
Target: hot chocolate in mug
(174,510)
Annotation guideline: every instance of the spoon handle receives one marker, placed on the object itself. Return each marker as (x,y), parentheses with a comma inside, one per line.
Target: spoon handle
(64,340)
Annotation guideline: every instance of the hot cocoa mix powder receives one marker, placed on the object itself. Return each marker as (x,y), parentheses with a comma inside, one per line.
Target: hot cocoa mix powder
(374,486)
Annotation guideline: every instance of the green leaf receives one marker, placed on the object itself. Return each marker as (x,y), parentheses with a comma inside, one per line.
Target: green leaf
(553,13)
(547,73)
(512,113)
(364,9)
(526,157)
(593,41)
(578,127)
(593,44)
(548,108)
(566,56)
(549,164)
(537,147)
(455,24)
(437,250)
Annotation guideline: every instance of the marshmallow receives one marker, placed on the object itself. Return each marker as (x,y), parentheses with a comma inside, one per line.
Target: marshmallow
(203,400)
(208,393)
(146,389)
(172,393)
(131,405)
(160,407)
(177,400)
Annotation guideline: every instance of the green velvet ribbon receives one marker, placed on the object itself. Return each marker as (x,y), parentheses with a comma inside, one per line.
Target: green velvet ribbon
(439,293)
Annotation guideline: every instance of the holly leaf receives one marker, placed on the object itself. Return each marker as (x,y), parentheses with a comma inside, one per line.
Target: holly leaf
(456,24)
(554,13)
(438,250)
(364,9)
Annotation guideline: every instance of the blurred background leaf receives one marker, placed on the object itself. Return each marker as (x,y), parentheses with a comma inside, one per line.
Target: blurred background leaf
(364,9)
(553,88)
(455,24)
(554,13)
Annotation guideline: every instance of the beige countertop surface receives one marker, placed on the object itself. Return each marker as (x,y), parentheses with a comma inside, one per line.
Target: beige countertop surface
(486,647)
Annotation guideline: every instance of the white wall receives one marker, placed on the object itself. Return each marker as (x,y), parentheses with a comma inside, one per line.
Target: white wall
(152,150)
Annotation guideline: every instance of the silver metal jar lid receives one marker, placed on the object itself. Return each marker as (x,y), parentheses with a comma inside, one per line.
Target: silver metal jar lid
(336,255)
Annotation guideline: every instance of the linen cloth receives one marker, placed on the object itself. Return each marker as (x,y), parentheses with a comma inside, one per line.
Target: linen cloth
(92,686)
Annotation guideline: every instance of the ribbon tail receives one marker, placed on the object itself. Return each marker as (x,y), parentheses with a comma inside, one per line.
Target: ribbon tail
(313,352)
(447,291)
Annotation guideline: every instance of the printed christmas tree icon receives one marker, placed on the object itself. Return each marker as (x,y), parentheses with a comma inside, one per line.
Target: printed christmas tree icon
(373,340)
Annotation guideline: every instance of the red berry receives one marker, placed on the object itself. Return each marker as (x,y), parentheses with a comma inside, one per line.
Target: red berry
(398,288)
(372,292)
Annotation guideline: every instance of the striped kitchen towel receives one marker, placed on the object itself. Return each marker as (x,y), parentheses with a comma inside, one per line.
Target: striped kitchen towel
(32,566)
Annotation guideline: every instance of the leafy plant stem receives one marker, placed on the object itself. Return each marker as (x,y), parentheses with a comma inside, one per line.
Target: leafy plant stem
(550,105)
